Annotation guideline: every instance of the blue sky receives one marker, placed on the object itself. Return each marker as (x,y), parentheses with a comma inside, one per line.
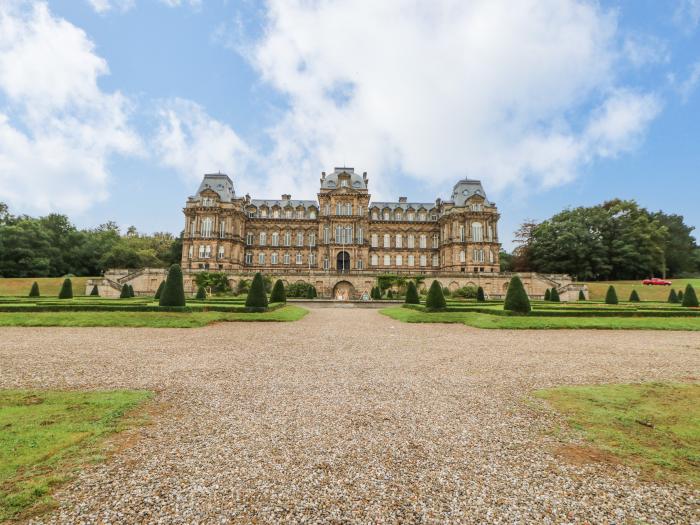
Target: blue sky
(113,109)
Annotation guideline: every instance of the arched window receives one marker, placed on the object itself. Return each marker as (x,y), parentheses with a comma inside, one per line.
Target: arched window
(263,238)
(477,232)
(275,239)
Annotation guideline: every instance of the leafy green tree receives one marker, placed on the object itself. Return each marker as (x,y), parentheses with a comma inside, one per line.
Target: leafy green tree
(554,296)
(468,292)
(436,299)
(611,295)
(517,300)
(95,292)
(278,294)
(634,297)
(125,294)
(66,290)
(672,297)
(173,293)
(412,293)
(505,260)
(257,297)
(581,295)
(547,294)
(243,286)
(678,246)
(480,297)
(217,282)
(159,291)
(34,292)
(690,299)
(299,289)
(201,293)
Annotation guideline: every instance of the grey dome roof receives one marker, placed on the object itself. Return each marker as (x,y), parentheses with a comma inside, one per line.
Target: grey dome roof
(330,181)
(220,183)
(466,188)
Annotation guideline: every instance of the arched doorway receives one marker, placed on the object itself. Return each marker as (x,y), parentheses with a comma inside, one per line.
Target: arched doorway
(343,262)
(343,291)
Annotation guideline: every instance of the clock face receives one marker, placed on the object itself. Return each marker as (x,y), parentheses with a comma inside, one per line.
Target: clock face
(465,192)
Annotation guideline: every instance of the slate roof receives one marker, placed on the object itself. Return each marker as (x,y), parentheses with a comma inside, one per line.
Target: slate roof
(403,205)
(283,203)
(466,188)
(330,181)
(220,183)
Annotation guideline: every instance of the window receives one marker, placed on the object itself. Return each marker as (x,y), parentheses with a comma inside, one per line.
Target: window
(477,207)
(248,258)
(411,241)
(327,209)
(489,232)
(251,213)
(312,239)
(287,238)
(222,228)
(375,215)
(338,209)
(491,256)
(387,260)
(397,215)
(191,251)
(326,235)
(207,223)
(360,264)
(399,240)
(421,216)
(286,258)
(326,263)
(299,258)
(275,238)
(273,258)
(344,183)
(261,259)
(461,233)
(201,251)
(478,255)
(193,228)
(249,238)
(312,214)
(374,260)
(300,214)
(477,232)
(221,252)
(276,213)
(423,260)
(375,240)
(300,238)
(411,216)
(436,260)
(312,259)
(399,260)
(288,213)
(423,241)
(386,215)
(411,260)
(387,240)
(436,240)
(360,236)
(263,238)
(263,212)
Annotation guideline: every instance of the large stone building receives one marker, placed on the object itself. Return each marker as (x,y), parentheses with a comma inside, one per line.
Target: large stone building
(343,231)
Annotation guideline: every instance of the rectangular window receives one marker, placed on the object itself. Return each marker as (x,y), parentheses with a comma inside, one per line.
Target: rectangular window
(387,260)
(276,214)
(273,258)
(326,235)
(423,260)
(411,216)
(248,258)
(462,256)
(221,252)
(411,241)
(193,228)
(326,264)
(423,241)
(436,260)
(360,236)
(261,259)
(387,240)
(312,239)
(299,258)
(287,238)
(222,229)
(375,240)
(300,238)
(312,259)
(374,260)
(436,241)
(461,233)
(375,215)
(263,238)
(411,260)
(386,215)
(286,258)
(207,251)
(360,264)
(327,209)
(288,214)
(249,238)
(399,241)
(275,239)
(201,251)
(300,214)
(399,260)
(191,251)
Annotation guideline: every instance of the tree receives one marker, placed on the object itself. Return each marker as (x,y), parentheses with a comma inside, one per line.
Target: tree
(521,259)
(217,282)
(436,299)
(173,293)
(66,290)
(689,298)
(517,300)
(480,297)
(125,292)
(672,297)
(611,295)
(554,296)
(547,294)
(201,293)
(446,292)
(678,246)
(257,297)
(634,297)
(581,295)
(468,292)
(505,261)
(159,291)
(95,292)
(412,293)
(243,286)
(278,294)
(34,292)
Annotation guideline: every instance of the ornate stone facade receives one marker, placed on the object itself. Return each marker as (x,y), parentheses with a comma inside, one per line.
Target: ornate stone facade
(342,231)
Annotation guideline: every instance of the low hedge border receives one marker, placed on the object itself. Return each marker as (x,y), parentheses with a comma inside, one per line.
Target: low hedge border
(566,313)
(29,308)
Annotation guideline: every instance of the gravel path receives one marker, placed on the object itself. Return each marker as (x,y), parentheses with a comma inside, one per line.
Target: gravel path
(349,416)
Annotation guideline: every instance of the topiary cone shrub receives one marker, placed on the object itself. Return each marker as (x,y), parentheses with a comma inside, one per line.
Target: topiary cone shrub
(554,296)
(125,292)
(680,296)
(672,297)
(34,292)
(313,289)
(634,297)
(436,299)
(547,294)
(480,297)
(611,295)
(278,294)
(310,292)
(517,300)
(95,292)
(257,298)
(131,291)
(412,293)
(581,295)
(689,298)
(201,294)
(159,291)
(66,290)
(173,293)
(389,294)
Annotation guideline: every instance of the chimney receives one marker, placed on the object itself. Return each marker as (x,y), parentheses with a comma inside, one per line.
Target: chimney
(403,199)
(286,197)
(364,175)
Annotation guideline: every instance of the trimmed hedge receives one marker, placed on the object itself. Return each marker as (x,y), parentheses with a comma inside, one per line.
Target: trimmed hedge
(159,291)
(125,292)
(611,295)
(436,299)
(412,293)
(66,290)
(581,295)
(672,297)
(201,293)
(257,298)
(480,297)
(554,296)
(131,291)
(547,294)
(516,298)
(690,300)
(278,294)
(34,292)
(174,290)
(634,297)
(95,292)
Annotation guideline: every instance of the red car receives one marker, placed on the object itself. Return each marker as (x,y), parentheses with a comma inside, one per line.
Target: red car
(655,281)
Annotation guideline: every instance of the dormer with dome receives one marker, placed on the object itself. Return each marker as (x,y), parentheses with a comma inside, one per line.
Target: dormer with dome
(344,177)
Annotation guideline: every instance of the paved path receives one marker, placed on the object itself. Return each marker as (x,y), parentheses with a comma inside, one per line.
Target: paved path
(349,416)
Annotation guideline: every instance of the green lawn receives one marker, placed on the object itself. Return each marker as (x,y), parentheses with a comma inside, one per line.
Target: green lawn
(146,319)
(481,320)
(654,427)
(597,290)
(47,285)
(46,436)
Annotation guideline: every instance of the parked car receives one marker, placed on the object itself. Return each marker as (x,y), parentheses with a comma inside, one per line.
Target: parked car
(655,281)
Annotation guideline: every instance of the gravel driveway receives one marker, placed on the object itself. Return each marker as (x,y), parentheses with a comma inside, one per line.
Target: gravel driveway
(349,416)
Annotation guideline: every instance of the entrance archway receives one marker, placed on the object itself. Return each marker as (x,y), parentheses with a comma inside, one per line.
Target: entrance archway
(343,291)
(343,262)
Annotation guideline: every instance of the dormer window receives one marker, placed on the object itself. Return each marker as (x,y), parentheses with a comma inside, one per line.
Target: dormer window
(344,183)
(288,214)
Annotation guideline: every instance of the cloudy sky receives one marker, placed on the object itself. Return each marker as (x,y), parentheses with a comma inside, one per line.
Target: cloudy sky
(113,109)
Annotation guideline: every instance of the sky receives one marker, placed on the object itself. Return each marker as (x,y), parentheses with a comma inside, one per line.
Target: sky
(114,109)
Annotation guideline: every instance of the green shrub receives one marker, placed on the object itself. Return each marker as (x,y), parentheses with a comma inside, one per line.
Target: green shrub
(243,286)
(257,297)
(436,298)
(517,300)
(34,292)
(446,292)
(680,296)
(554,296)
(125,292)
(689,297)
(131,291)
(581,295)
(201,293)
(313,290)
(376,293)
(95,291)
(480,297)
(300,289)
(159,291)
(278,294)
(389,294)
(412,293)
(66,290)
(547,294)
(611,295)
(468,292)
(672,297)
(217,282)
(634,297)
(310,292)
(173,293)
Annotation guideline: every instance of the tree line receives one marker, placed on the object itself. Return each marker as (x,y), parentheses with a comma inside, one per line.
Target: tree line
(52,246)
(611,241)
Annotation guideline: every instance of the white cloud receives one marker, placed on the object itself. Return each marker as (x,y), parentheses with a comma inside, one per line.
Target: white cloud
(510,92)
(192,143)
(58,129)
(688,86)
(104,6)
(687,15)
(642,50)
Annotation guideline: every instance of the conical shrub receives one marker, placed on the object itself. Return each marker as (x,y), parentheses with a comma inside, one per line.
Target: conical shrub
(34,292)
(634,297)
(201,293)
(554,296)
(516,297)
(547,294)
(689,298)
(257,298)
(310,292)
(66,290)
(131,291)
(125,292)
(581,295)
(436,299)
(480,297)
(680,296)
(278,294)
(173,293)
(611,295)
(159,291)
(672,297)
(95,292)
(389,294)
(412,293)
